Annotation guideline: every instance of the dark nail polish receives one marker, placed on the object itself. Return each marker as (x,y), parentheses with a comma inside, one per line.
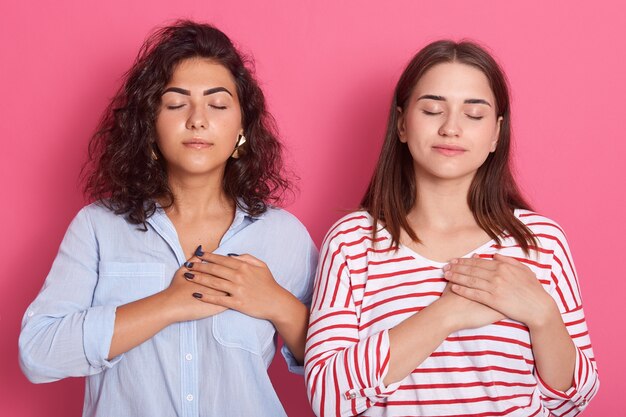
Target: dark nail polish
(188,275)
(199,251)
(188,264)
(233,254)
(197,295)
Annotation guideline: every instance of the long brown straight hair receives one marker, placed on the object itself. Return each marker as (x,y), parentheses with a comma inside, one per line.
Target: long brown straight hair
(493,193)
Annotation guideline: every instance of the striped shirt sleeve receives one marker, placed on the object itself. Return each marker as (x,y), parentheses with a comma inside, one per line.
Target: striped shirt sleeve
(344,375)
(566,292)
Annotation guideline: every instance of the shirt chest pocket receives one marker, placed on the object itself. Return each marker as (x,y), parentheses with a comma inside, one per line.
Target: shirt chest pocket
(236,330)
(124,282)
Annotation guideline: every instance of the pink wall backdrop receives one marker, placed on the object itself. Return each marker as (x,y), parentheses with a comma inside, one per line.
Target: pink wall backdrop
(328,69)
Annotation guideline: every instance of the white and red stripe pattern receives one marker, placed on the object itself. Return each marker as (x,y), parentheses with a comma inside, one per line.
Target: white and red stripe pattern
(363,288)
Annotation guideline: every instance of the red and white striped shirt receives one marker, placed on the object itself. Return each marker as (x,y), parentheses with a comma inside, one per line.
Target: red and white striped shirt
(364,288)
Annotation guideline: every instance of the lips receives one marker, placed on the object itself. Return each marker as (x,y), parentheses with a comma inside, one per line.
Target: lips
(449,150)
(197,143)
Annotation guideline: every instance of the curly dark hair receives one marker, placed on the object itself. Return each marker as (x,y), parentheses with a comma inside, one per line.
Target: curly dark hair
(120,171)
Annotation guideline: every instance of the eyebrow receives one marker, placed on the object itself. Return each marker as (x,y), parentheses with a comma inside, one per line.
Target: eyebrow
(204,93)
(441,98)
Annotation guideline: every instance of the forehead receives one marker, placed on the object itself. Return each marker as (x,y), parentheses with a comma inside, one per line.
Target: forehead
(201,73)
(454,80)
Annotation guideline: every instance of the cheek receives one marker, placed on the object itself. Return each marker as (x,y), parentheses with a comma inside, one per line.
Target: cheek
(484,136)
(167,125)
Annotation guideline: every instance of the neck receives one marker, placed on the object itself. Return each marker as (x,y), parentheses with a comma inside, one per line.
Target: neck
(198,196)
(441,204)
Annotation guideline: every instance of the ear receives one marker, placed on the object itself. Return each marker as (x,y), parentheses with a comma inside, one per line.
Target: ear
(494,144)
(401,127)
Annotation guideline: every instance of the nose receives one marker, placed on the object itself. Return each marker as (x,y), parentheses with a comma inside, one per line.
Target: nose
(450,127)
(197,118)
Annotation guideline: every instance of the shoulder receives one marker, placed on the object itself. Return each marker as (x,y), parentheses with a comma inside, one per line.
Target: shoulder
(103,221)
(283,222)
(355,228)
(355,221)
(99,214)
(546,230)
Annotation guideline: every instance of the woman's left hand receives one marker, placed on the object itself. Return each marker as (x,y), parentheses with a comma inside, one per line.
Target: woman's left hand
(503,284)
(248,282)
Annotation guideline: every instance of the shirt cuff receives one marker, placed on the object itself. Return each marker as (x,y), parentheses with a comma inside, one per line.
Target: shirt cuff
(292,363)
(571,394)
(97,335)
(381,390)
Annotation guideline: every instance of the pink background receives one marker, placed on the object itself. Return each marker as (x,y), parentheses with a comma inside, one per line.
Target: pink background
(328,69)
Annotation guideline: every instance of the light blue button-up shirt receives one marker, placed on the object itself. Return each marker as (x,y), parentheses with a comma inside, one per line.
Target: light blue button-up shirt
(211,367)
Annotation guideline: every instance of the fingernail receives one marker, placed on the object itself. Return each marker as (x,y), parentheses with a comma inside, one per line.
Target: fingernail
(188,275)
(199,251)
(197,295)
(447,267)
(454,261)
(188,264)
(233,254)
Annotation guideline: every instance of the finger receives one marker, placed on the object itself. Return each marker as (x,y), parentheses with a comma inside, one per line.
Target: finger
(227,261)
(471,294)
(211,281)
(189,263)
(208,291)
(216,270)
(475,262)
(468,281)
(469,270)
(220,300)
(250,259)
(506,259)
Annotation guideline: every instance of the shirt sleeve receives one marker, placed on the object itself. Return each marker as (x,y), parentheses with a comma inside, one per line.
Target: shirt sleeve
(62,334)
(566,293)
(304,295)
(344,374)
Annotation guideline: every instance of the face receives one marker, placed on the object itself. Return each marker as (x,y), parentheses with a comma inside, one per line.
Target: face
(199,118)
(450,123)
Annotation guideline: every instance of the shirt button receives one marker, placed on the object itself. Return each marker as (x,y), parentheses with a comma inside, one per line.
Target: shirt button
(188,356)
(350,395)
(189,397)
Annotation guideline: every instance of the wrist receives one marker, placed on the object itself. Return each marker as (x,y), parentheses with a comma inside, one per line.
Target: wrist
(544,316)
(167,308)
(449,323)
(284,308)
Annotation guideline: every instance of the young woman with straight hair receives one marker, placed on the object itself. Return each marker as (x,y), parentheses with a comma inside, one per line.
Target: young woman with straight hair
(446,295)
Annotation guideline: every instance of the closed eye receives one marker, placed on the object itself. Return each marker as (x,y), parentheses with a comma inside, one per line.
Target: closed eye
(174,107)
(475,117)
(430,113)
(217,107)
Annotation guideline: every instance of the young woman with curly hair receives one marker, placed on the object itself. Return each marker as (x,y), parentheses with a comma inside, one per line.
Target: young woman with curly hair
(446,295)
(168,289)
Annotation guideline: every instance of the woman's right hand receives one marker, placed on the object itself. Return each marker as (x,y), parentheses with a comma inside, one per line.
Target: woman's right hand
(180,300)
(462,313)
(139,320)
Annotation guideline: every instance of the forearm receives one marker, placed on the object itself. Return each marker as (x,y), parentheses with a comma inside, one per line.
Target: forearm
(137,322)
(554,350)
(414,340)
(291,319)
